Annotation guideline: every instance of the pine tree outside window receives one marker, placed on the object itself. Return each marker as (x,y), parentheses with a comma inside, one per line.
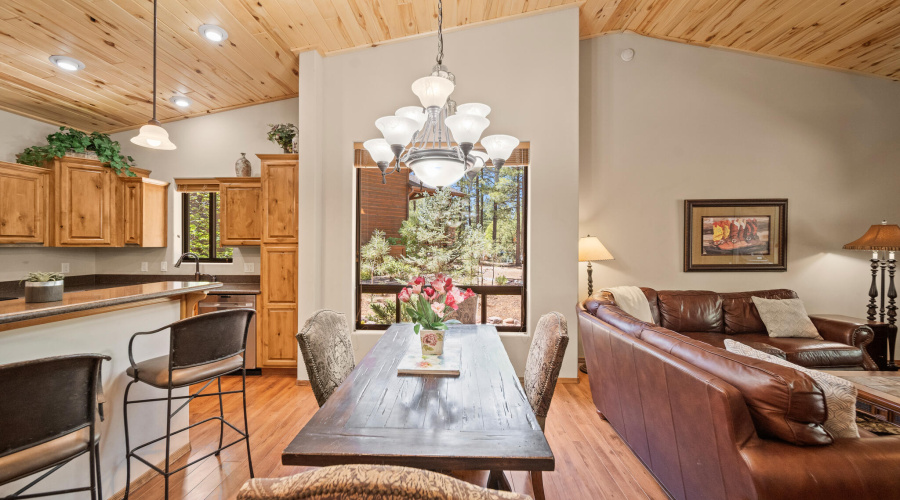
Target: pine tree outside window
(201,229)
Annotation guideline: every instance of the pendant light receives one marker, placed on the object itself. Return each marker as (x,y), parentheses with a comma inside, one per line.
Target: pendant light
(152,135)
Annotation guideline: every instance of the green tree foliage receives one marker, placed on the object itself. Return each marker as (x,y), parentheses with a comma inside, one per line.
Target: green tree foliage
(199,227)
(374,252)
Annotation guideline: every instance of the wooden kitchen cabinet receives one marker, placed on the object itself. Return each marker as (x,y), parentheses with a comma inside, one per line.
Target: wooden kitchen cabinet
(277,345)
(240,211)
(144,211)
(280,176)
(83,200)
(24,191)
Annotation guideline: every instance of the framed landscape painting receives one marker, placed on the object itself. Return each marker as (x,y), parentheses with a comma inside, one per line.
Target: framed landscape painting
(735,235)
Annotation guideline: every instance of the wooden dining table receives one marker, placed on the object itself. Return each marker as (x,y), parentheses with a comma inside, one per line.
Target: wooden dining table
(478,420)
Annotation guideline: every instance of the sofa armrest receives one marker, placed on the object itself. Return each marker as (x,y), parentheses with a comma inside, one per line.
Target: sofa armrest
(848,331)
(849,468)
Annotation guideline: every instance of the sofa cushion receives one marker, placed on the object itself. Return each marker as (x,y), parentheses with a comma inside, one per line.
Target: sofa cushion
(786,318)
(811,353)
(840,394)
(783,402)
(741,315)
(691,311)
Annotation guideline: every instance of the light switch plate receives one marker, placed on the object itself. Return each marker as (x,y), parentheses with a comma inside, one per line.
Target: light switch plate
(145,266)
(248,267)
(163,266)
(65,268)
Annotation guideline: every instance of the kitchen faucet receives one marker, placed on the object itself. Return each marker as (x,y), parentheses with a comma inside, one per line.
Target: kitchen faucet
(191,255)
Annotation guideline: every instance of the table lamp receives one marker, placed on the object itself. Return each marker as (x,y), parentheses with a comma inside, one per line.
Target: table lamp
(590,249)
(882,240)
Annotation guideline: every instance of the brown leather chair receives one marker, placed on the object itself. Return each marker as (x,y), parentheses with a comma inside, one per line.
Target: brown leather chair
(712,317)
(48,411)
(201,349)
(710,424)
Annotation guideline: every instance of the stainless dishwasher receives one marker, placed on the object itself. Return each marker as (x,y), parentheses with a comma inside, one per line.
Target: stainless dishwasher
(213,303)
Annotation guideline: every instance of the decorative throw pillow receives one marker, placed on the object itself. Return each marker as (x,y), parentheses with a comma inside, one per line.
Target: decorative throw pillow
(786,318)
(840,394)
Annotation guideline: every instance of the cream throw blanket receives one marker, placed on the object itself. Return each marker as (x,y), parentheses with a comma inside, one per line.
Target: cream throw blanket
(633,301)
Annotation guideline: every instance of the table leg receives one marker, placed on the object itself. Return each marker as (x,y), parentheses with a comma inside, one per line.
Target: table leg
(537,484)
(497,481)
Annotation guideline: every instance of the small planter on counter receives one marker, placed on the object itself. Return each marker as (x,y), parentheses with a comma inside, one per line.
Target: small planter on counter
(44,287)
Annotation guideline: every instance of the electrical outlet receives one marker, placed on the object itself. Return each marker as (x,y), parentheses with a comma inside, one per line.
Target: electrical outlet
(145,266)
(248,267)
(65,268)
(163,266)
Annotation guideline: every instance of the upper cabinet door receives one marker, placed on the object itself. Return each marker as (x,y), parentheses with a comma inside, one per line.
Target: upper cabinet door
(240,209)
(145,211)
(84,195)
(23,204)
(280,177)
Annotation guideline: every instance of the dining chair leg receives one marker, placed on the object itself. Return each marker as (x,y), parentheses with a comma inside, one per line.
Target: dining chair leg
(537,484)
(497,480)
(97,471)
(127,444)
(221,417)
(246,426)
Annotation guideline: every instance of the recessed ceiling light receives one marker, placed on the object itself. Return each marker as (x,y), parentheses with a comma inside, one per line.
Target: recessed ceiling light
(67,63)
(213,33)
(180,101)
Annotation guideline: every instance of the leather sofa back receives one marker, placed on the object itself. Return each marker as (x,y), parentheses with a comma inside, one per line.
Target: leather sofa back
(691,311)
(741,315)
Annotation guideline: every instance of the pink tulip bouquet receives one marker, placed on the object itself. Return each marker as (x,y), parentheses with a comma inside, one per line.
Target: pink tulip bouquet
(430,306)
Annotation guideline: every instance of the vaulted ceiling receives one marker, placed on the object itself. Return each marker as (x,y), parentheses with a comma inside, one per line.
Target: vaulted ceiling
(257,63)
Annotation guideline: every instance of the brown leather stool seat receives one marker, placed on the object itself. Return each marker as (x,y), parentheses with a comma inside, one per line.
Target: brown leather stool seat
(45,455)
(155,371)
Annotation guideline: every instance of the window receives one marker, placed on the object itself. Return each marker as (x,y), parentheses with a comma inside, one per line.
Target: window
(200,227)
(473,231)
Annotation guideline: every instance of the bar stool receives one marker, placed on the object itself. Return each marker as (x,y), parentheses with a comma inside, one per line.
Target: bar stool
(201,349)
(48,411)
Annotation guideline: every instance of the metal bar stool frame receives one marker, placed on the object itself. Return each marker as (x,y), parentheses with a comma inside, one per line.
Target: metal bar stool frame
(93,450)
(245,434)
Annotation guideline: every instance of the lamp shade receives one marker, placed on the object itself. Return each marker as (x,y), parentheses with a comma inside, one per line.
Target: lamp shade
(590,248)
(438,172)
(397,129)
(467,128)
(415,113)
(499,147)
(474,108)
(433,91)
(154,137)
(379,150)
(882,236)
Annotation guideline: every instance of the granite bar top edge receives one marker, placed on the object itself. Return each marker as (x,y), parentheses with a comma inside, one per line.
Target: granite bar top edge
(13,311)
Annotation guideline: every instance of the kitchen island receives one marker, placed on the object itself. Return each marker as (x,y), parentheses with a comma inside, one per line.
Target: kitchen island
(103,321)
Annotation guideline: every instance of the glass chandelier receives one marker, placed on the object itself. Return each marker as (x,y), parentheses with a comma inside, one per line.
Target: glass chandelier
(436,140)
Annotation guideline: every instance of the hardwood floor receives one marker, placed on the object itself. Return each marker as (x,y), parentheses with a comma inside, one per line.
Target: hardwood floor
(592,462)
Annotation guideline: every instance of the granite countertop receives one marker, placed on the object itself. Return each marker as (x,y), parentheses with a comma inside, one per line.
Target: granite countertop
(236,289)
(12,311)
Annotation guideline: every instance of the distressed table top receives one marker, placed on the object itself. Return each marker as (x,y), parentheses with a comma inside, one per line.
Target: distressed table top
(479,420)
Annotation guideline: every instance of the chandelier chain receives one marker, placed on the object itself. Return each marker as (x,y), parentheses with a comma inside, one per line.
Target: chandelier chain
(440,56)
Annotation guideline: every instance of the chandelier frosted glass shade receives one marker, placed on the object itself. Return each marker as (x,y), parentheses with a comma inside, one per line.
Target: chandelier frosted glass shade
(433,91)
(397,130)
(153,136)
(466,128)
(415,113)
(474,108)
(499,147)
(437,171)
(379,150)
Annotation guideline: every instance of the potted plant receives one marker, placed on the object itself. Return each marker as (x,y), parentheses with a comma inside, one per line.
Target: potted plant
(44,287)
(71,142)
(283,134)
(429,307)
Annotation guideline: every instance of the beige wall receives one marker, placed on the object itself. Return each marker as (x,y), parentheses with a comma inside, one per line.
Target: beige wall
(682,122)
(527,71)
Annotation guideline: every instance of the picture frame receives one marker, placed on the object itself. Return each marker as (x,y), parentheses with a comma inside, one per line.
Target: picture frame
(735,235)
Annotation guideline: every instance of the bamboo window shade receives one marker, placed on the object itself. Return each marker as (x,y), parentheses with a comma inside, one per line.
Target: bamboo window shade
(520,156)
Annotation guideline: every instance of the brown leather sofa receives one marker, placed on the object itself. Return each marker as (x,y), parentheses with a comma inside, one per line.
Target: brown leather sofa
(710,424)
(713,317)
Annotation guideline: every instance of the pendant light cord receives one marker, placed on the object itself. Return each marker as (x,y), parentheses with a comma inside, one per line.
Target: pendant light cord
(154,60)
(440,56)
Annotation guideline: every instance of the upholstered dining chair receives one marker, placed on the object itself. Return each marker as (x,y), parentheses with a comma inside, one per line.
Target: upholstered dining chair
(541,373)
(327,352)
(367,482)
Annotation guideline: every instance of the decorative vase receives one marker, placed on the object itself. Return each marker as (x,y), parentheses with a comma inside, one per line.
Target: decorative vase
(242,166)
(287,148)
(432,341)
(43,291)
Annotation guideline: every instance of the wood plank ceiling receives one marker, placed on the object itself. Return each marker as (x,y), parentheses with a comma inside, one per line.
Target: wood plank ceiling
(257,62)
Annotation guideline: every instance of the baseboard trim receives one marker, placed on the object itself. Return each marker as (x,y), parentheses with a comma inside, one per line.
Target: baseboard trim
(147,476)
